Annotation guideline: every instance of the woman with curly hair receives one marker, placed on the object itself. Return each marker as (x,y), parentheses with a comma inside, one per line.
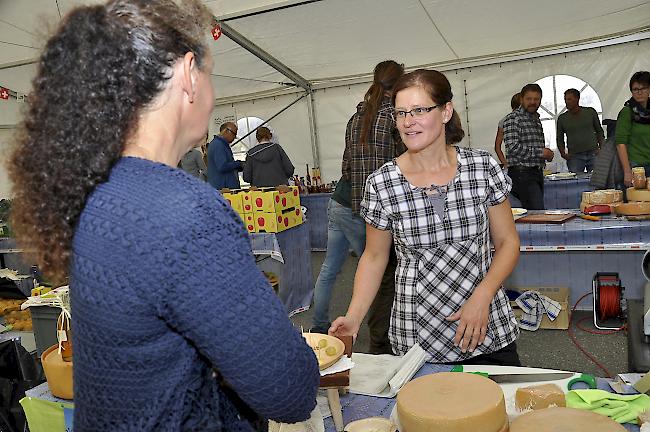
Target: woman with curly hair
(174,326)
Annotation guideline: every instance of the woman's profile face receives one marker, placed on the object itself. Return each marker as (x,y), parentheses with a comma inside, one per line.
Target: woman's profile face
(418,124)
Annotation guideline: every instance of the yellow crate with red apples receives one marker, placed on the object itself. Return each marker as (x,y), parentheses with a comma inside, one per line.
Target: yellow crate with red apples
(234,198)
(271,200)
(249,221)
(277,222)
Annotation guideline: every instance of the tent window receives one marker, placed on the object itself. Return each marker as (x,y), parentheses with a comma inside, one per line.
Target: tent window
(553,88)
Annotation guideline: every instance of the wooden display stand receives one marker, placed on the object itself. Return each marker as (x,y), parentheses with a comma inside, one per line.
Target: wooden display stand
(336,384)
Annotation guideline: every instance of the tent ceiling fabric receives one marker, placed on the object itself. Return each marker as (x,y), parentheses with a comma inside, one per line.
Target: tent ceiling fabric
(329,39)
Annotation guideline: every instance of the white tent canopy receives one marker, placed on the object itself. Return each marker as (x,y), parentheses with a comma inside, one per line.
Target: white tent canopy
(273,52)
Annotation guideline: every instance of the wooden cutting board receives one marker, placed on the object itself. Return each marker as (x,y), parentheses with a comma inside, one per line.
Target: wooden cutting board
(545,218)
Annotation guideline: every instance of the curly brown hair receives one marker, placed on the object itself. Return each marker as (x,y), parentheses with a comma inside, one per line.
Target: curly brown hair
(102,67)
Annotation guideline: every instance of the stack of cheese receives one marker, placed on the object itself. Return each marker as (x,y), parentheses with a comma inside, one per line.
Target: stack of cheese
(638,203)
(602,201)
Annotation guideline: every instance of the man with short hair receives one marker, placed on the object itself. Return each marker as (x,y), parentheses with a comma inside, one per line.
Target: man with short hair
(222,166)
(524,138)
(584,135)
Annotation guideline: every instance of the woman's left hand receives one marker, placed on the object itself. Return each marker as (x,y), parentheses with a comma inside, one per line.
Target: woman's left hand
(473,318)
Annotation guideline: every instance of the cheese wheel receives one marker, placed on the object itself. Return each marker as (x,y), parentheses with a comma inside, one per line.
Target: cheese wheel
(539,397)
(604,196)
(638,194)
(633,208)
(452,402)
(564,420)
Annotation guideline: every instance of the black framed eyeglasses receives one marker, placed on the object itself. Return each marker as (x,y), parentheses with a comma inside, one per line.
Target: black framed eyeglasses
(639,89)
(231,131)
(415,112)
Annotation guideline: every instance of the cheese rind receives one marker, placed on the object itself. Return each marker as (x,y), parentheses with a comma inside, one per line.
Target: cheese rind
(638,194)
(452,402)
(565,420)
(539,397)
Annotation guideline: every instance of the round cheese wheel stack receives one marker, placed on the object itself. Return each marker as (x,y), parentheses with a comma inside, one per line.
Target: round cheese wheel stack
(452,402)
(638,194)
(565,420)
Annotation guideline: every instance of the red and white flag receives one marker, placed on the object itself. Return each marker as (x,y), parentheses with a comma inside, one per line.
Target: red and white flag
(4,93)
(216,32)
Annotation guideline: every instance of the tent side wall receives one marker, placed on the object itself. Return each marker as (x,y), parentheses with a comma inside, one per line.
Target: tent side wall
(489,88)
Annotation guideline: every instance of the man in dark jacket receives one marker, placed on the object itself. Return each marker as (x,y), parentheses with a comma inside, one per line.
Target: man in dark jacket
(267,165)
(222,166)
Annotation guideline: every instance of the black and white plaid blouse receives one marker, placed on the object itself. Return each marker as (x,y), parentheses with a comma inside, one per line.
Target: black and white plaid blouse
(440,260)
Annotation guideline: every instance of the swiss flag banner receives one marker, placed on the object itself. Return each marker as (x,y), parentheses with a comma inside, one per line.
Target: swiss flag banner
(4,93)
(216,32)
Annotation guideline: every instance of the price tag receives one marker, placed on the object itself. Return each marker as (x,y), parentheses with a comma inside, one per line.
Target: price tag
(63,336)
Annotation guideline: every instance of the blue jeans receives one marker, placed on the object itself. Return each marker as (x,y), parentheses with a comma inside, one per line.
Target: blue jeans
(344,230)
(581,161)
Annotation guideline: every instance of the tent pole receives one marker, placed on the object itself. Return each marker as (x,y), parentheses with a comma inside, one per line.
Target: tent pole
(269,119)
(315,148)
(267,58)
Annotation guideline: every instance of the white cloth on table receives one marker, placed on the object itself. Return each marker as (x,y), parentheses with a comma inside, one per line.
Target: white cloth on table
(384,375)
(534,305)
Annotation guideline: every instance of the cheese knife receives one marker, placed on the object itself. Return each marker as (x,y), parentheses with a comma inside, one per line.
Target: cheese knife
(524,377)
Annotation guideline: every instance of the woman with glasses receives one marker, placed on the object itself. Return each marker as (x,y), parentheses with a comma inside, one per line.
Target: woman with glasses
(445,207)
(175,328)
(633,128)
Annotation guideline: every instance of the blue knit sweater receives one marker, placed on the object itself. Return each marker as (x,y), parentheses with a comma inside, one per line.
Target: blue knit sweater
(165,290)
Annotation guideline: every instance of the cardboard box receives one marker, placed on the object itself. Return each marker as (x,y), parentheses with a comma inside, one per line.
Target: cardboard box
(247,201)
(249,222)
(277,222)
(234,198)
(560,295)
(271,200)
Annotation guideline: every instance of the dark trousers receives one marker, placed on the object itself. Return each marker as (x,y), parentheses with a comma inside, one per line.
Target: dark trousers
(506,356)
(528,186)
(380,310)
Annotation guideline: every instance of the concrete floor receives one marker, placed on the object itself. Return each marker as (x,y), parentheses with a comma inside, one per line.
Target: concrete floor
(552,349)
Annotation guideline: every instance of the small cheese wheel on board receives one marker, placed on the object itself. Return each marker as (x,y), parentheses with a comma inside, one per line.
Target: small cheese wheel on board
(638,194)
(564,420)
(539,397)
(452,402)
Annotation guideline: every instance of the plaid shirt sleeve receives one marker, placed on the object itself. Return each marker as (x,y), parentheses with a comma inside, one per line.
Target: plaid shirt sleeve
(372,210)
(499,184)
(383,145)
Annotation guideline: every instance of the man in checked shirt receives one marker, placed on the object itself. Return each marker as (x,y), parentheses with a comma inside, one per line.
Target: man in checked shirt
(524,138)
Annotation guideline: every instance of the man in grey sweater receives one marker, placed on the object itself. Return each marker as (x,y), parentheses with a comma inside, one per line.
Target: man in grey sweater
(584,135)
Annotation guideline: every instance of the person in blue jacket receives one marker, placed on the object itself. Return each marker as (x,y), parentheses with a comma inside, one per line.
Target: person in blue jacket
(222,166)
(175,327)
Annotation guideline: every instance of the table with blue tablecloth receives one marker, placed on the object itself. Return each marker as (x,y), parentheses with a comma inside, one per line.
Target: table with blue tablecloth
(287,255)
(316,205)
(558,194)
(356,407)
(561,193)
(569,254)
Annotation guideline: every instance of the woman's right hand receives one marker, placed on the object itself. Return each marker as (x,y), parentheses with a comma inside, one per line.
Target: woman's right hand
(344,326)
(627,176)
